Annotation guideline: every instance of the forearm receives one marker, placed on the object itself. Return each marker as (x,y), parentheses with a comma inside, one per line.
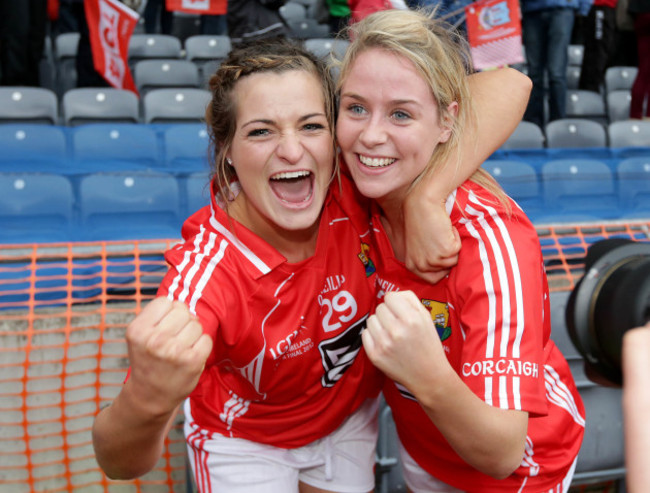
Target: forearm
(489,439)
(499,98)
(636,408)
(128,438)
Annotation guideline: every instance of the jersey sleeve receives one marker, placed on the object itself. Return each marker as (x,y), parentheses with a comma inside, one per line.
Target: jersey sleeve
(497,294)
(182,283)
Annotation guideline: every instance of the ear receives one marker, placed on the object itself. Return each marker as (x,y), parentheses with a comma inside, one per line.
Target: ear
(447,121)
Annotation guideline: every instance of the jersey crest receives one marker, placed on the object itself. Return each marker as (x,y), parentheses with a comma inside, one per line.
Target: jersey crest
(365,259)
(338,353)
(440,316)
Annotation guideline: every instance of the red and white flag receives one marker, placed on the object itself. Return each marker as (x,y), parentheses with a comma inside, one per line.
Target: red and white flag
(494,33)
(212,7)
(111,24)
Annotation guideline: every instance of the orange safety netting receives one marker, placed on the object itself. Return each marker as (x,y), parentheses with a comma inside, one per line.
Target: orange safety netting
(64,309)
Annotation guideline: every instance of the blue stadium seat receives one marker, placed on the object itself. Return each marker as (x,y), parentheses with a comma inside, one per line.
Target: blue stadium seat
(186,147)
(35,207)
(196,190)
(520,182)
(579,190)
(634,186)
(129,205)
(114,146)
(32,147)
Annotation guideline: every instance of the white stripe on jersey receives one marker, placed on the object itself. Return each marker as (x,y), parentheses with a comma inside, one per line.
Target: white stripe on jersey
(488,391)
(489,288)
(186,260)
(516,392)
(503,392)
(557,393)
(516,275)
(233,408)
(245,251)
(502,280)
(528,461)
(207,273)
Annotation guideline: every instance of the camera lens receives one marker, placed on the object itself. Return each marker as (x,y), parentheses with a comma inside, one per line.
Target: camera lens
(612,297)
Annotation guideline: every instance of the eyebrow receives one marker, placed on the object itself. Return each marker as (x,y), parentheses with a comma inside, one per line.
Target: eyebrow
(265,121)
(392,101)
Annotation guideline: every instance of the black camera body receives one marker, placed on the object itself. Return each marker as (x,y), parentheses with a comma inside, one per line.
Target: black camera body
(612,297)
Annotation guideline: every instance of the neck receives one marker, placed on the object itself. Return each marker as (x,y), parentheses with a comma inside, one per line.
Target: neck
(392,218)
(294,245)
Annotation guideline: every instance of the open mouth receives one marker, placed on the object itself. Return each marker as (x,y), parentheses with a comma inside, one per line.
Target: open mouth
(376,162)
(293,187)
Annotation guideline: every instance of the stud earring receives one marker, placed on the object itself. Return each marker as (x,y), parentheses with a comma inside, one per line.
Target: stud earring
(229,161)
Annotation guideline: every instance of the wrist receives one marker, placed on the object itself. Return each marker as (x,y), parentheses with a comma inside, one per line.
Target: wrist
(145,404)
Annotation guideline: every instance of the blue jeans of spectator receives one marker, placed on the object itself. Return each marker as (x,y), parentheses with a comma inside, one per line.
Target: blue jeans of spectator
(546,37)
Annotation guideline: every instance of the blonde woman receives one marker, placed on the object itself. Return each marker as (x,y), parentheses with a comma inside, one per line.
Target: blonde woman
(482,399)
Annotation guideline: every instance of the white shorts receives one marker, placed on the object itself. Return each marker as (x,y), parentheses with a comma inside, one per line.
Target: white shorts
(341,462)
(420,481)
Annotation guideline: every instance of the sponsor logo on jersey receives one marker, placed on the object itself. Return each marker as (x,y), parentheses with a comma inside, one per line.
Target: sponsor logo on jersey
(510,367)
(365,259)
(338,353)
(440,316)
(383,287)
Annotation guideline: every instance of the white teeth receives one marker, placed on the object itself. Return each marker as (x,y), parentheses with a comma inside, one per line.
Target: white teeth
(376,162)
(288,175)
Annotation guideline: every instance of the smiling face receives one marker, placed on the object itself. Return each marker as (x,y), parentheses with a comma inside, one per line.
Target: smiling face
(388,124)
(282,152)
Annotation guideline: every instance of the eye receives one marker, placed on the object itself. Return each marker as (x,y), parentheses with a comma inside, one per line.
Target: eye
(401,115)
(314,126)
(356,109)
(258,132)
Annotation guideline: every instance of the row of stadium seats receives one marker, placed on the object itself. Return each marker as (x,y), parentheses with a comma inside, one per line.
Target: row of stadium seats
(184,147)
(577,190)
(192,61)
(181,148)
(179,82)
(126,205)
(143,203)
(88,105)
(568,133)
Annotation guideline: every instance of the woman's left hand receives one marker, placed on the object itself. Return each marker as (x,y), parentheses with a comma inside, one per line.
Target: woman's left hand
(401,340)
(432,243)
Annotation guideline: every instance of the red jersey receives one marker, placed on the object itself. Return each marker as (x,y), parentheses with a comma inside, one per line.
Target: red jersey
(492,315)
(287,365)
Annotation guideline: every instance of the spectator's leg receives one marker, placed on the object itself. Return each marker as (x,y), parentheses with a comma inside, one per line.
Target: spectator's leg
(641,86)
(559,38)
(534,38)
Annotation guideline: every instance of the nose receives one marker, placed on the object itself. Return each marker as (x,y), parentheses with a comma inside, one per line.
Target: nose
(373,132)
(290,148)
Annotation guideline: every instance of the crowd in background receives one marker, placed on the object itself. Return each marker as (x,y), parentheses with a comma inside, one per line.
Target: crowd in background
(613,33)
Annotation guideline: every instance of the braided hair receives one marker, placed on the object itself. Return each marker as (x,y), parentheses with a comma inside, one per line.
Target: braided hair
(275,56)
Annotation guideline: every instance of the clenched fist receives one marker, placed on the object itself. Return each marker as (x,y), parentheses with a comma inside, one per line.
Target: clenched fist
(167,351)
(401,340)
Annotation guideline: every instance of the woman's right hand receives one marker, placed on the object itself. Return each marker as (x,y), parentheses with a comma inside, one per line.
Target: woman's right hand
(167,352)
